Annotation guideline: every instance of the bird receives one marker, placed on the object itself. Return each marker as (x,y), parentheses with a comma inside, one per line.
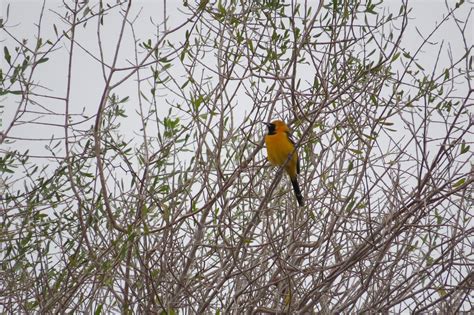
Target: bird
(279,147)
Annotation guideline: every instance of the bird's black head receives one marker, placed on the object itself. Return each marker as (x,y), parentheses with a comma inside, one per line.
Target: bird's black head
(271,128)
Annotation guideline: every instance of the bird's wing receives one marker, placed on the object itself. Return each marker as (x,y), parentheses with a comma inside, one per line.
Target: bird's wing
(294,145)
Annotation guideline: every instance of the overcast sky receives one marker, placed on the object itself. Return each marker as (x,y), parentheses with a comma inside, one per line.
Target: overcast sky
(87,78)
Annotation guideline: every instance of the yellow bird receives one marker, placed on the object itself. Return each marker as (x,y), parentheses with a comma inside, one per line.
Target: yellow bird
(279,147)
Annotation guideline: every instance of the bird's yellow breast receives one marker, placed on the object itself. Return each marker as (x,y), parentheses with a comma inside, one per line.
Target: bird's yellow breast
(278,149)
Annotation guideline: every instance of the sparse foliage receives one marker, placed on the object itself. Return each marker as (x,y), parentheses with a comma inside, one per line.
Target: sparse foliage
(150,192)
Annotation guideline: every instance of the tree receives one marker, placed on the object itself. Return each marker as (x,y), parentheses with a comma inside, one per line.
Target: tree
(153,194)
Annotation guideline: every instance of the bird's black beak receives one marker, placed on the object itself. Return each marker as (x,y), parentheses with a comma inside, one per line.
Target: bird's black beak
(271,128)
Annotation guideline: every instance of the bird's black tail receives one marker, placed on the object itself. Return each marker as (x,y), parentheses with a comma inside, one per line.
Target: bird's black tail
(296,189)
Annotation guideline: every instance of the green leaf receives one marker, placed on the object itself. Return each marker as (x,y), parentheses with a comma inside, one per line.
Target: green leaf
(464,148)
(446,74)
(15,74)
(439,219)
(86,11)
(39,43)
(395,56)
(170,311)
(8,57)
(361,205)
(373,99)
(197,102)
(250,45)
(24,65)
(351,166)
(459,183)
(351,205)
(221,8)
(98,310)
(419,66)
(442,292)
(89,175)
(7,170)
(31,305)
(203,4)
(356,151)
(185,84)
(429,260)
(386,123)
(42,60)
(458,4)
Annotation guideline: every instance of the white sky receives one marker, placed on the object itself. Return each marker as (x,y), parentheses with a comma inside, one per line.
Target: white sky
(24,15)
(88,84)
(87,77)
